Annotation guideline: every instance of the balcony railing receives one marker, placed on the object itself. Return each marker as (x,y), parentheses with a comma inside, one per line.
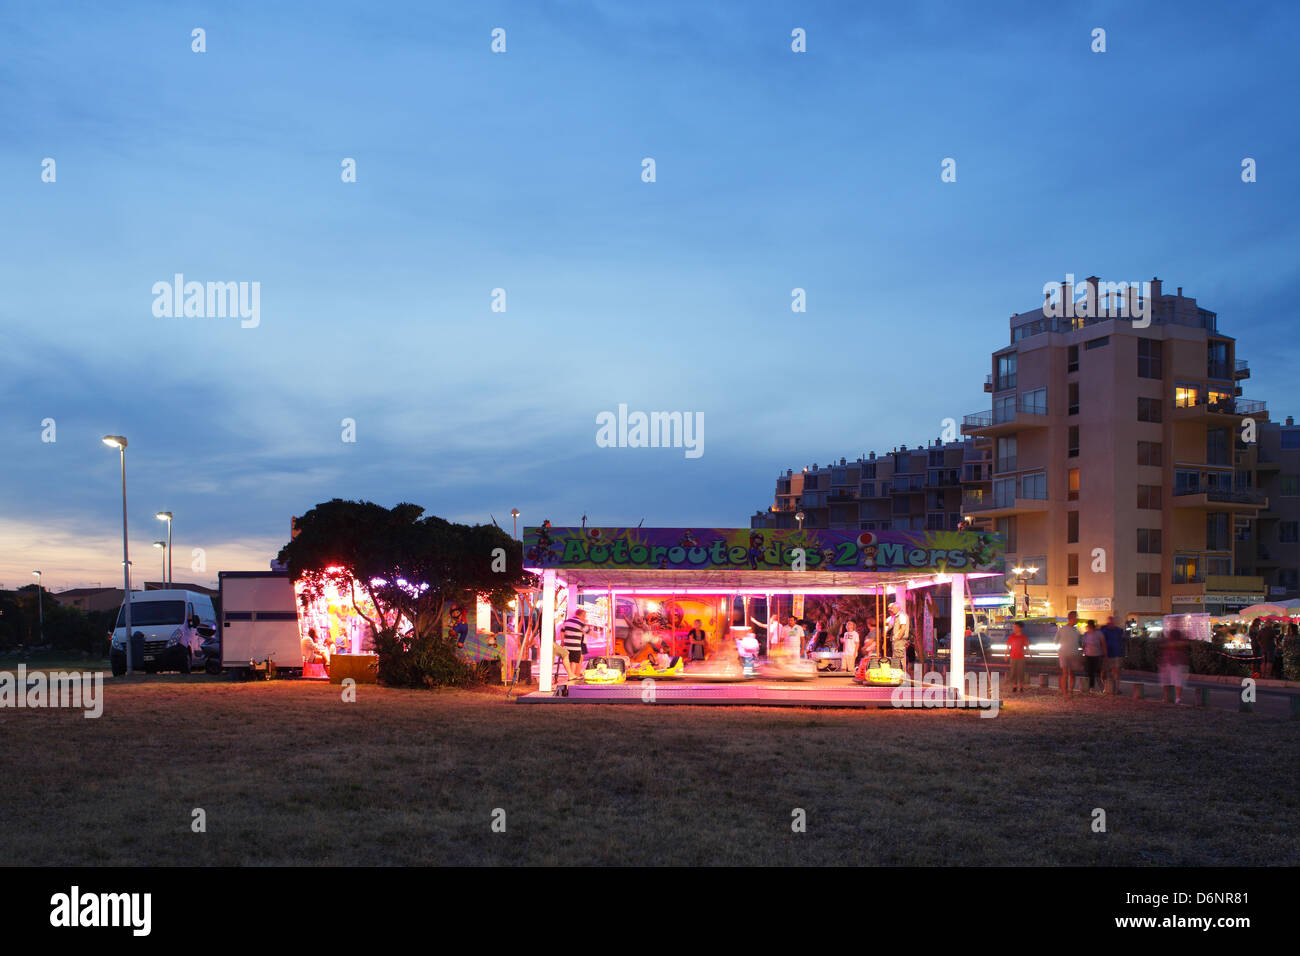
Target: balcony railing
(1006,464)
(1241,369)
(998,416)
(1222,495)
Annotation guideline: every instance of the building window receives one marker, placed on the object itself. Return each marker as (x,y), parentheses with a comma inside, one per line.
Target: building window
(1149,410)
(1289,486)
(1150,453)
(1220,566)
(1006,454)
(1216,365)
(1034,485)
(1072,570)
(1149,364)
(1148,585)
(1007,528)
(1072,527)
(1074,399)
(1149,497)
(1072,359)
(1218,531)
(1034,401)
(1291,438)
(1005,376)
(869,469)
(1149,541)
(1004,409)
(1288,532)
(1188,569)
(1217,450)
(1072,484)
(1187,482)
(1074,442)
(1187,396)
(1097,343)
(1004,492)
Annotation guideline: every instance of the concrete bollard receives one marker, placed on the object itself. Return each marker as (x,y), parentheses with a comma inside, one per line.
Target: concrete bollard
(1202,697)
(1167,693)
(1295,706)
(1246,706)
(1137,690)
(1042,680)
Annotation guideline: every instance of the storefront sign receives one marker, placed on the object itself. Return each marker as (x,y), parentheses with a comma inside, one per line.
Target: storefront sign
(743,549)
(1094,604)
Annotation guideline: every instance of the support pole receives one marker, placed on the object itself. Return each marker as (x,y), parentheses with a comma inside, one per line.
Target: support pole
(957,635)
(546,656)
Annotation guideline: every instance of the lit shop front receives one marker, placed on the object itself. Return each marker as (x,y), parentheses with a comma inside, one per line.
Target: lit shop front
(644,584)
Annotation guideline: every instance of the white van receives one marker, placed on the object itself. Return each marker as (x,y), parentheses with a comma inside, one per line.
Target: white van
(165,631)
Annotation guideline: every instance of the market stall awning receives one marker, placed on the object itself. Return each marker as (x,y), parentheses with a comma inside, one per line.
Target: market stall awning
(746,582)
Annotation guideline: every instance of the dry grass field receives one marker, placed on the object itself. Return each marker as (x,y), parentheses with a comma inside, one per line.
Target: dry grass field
(289,774)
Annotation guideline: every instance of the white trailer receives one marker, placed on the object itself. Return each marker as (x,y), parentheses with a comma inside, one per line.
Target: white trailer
(259,623)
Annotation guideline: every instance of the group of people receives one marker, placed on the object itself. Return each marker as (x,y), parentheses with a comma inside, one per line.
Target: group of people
(853,647)
(1098,652)
(1266,639)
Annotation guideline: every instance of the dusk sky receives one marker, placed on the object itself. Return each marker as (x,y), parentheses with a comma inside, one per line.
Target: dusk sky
(523,171)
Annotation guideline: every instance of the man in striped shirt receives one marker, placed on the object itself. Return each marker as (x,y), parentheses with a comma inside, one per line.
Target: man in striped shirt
(573,630)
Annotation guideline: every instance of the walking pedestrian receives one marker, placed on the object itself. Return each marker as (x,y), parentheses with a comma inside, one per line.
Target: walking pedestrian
(1017,648)
(1172,658)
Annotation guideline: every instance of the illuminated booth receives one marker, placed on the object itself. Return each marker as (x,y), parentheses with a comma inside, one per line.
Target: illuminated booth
(636,582)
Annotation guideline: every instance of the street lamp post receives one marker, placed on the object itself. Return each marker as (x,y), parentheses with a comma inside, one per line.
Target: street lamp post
(167,574)
(799,516)
(514,517)
(162,545)
(1024,574)
(119,442)
(40,608)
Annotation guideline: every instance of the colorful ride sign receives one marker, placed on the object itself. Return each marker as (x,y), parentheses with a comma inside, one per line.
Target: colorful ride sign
(744,549)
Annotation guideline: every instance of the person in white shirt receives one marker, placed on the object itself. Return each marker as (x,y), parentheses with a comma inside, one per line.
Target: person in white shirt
(849,647)
(1067,651)
(793,638)
(899,631)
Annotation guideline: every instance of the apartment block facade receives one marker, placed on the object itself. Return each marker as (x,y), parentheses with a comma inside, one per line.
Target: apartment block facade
(1119,469)
(1119,459)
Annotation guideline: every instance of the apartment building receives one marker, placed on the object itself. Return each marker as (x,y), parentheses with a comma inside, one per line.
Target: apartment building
(1271,547)
(904,489)
(1115,458)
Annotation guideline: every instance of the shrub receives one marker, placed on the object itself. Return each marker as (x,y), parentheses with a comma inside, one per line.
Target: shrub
(422,661)
(1139,654)
(1291,658)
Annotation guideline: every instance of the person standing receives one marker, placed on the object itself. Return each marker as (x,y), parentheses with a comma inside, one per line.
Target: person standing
(1067,652)
(1113,634)
(849,647)
(697,640)
(1172,657)
(899,631)
(793,638)
(1017,650)
(1094,657)
(574,631)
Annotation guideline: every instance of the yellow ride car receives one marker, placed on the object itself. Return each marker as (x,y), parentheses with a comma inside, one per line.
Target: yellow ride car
(605,670)
(880,674)
(647,668)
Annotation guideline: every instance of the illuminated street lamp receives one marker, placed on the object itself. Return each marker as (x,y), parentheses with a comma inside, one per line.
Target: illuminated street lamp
(119,442)
(1024,574)
(40,608)
(799,516)
(514,515)
(167,573)
(163,546)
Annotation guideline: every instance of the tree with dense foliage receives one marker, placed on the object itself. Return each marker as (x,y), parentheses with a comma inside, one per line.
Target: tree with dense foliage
(409,566)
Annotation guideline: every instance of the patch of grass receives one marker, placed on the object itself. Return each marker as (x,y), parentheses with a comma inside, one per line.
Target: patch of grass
(289,774)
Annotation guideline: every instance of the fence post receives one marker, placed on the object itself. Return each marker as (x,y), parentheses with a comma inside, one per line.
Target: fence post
(1137,690)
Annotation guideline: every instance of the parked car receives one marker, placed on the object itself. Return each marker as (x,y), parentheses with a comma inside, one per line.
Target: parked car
(1041,632)
(168,628)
